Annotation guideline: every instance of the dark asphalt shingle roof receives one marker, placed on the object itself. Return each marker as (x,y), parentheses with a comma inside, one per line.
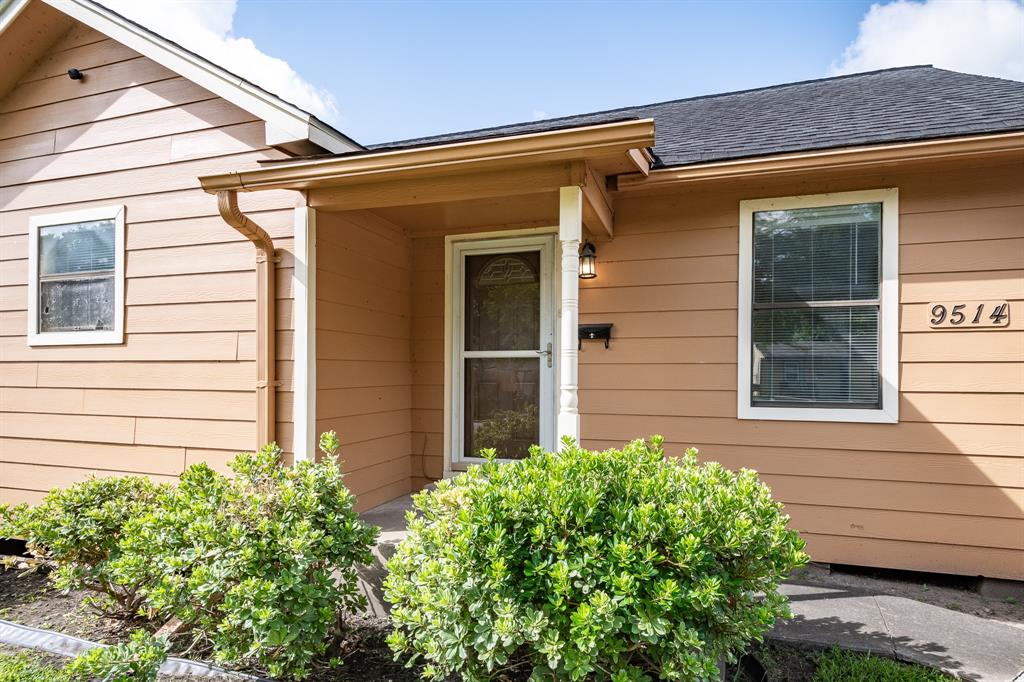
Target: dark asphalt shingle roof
(902,104)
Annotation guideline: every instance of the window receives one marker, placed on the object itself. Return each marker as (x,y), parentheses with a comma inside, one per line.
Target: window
(76,278)
(818,308)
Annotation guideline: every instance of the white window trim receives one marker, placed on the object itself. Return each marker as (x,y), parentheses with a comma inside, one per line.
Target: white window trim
(85,337)
(889,311)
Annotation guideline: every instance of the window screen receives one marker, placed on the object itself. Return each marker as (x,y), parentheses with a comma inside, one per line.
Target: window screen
(76,276)
(815,321)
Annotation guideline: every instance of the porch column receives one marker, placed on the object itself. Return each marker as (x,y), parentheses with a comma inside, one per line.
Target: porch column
(570,231)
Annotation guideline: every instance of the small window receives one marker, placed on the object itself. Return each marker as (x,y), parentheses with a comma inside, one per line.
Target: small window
(76,278)
(818,308)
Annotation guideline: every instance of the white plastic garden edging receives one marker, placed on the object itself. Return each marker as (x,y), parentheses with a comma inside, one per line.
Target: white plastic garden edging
(66,645)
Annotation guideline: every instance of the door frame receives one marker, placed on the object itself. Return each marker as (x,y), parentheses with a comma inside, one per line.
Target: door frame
(495,242)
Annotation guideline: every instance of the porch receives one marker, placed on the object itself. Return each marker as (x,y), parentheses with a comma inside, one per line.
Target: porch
(397,376)
(445,326)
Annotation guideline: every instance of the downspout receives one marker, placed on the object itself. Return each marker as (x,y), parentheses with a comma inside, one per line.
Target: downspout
(227,202)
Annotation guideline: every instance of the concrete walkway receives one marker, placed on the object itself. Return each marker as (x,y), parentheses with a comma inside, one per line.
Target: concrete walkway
(825,615)
(968,646)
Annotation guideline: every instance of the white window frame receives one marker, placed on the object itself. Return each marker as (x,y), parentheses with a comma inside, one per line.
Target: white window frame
(83,337)
(889,312)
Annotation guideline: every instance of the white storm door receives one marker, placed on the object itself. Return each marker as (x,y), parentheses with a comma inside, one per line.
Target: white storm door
(503,371)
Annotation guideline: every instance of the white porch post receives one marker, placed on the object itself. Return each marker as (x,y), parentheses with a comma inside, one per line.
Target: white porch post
(304,346)
(570,231)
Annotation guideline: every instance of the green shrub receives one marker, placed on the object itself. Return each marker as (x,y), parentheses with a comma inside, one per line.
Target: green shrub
(77,530)
(259,567)
(136,660)
(620,565)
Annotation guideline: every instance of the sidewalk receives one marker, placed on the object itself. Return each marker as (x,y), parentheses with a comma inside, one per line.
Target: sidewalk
(961,644)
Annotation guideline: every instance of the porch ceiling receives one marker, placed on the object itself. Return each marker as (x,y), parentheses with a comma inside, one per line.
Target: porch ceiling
(505,212)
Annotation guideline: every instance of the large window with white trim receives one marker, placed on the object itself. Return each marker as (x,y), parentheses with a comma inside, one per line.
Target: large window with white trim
(76,277)
(818,307)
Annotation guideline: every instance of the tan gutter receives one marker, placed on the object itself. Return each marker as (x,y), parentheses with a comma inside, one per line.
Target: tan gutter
(609,139)
(227,202)
(854,157)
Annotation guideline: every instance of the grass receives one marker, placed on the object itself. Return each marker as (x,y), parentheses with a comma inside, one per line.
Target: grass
(23,666)
(844,666)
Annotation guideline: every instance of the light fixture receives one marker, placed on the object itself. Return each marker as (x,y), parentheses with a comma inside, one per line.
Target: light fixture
(588,261)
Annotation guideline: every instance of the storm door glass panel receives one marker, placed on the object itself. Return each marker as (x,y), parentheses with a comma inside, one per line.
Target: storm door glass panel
(503,301)
(76,276)
(815,323)
(501,364)
(502,395)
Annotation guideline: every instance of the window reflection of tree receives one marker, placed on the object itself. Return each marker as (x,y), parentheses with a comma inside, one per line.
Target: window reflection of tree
(509,432)
(504,302)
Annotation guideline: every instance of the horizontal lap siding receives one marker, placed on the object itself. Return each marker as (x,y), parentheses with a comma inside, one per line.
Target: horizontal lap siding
(944,489)
(428,359)
(364,373)
(181,388)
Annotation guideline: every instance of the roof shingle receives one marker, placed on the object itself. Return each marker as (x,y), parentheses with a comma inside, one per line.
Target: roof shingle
(894,105)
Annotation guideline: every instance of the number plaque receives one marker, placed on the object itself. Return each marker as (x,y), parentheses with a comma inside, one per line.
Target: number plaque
(969,315)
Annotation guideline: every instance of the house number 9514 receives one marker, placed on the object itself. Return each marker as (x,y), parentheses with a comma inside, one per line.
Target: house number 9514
(970,315)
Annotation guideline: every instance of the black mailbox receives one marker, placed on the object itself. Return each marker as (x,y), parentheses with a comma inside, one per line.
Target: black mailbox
(595,332)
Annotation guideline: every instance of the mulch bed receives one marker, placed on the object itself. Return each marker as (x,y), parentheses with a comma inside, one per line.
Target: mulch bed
(29,599)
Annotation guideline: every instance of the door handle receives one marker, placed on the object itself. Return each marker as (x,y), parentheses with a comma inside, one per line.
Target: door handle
(547,353)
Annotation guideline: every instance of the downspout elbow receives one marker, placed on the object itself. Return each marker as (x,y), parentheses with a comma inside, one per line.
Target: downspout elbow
(227,203)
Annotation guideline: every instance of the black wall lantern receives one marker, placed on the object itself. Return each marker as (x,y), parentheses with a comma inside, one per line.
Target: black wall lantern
(588,261)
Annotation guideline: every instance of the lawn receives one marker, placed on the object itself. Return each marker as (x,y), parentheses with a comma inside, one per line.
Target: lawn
(843,666)
(784,663)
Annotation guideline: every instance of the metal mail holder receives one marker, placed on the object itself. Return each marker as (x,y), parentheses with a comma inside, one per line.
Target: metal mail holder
(595,332)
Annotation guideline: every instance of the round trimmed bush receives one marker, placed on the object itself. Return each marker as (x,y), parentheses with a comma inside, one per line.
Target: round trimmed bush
(259,567)
(620,565)
(77,530)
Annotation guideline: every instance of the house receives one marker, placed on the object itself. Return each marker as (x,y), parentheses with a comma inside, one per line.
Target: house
(823,281)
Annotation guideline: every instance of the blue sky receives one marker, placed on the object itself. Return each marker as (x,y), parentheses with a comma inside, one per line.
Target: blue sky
(405,69)
(383,71)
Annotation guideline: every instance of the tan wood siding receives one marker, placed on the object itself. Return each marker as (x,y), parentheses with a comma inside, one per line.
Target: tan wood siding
(363,327)
(944,489)
(181,387)
(428,358)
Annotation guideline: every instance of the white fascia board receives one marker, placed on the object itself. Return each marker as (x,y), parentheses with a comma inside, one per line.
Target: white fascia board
(286,123)
(9,11)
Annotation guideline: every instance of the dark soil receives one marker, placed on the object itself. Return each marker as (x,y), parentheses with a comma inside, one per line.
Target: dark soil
(782,664)
(29,599)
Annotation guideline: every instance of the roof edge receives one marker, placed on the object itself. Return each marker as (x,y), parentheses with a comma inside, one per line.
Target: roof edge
(288,126)
(563,145)
(988,144)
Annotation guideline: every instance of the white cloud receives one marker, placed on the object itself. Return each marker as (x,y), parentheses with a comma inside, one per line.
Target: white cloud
(204,26)
(976,36)
(539,115)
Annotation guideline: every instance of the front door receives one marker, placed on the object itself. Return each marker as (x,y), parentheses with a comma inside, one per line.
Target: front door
(502,341)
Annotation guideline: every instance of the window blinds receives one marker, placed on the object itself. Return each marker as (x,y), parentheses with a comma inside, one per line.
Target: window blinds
(815,322)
